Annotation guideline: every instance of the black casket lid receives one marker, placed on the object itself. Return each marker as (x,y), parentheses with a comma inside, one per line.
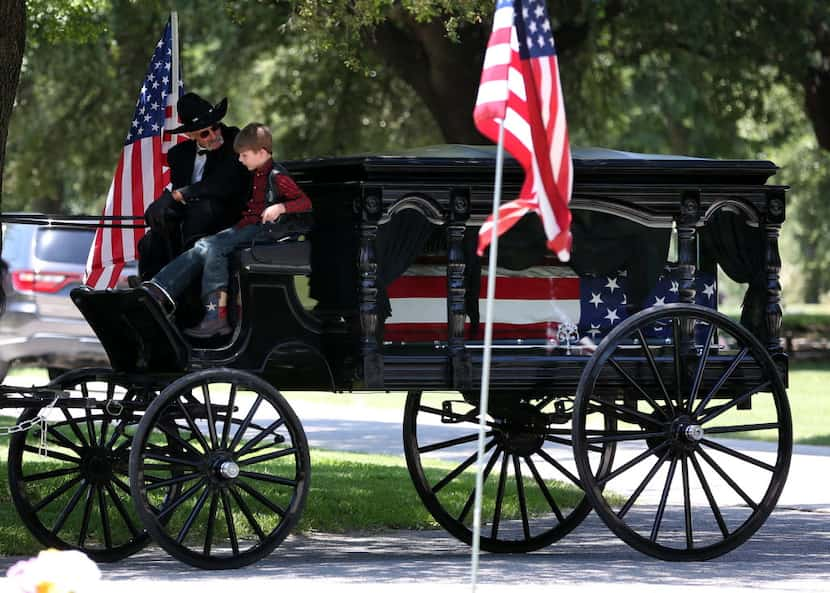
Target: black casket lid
(590,165)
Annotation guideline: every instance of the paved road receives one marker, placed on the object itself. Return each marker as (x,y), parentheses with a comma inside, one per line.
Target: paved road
(790,553)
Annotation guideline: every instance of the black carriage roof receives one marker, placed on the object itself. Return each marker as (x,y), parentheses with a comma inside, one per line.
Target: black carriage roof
(590,164)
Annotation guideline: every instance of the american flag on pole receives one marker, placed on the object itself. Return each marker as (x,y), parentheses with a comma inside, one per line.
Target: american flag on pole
(520,86)
(142,172)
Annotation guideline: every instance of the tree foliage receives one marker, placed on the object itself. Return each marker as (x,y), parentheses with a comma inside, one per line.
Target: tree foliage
(740,79)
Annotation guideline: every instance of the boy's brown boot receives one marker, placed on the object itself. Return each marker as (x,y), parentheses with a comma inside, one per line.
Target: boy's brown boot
(215,322)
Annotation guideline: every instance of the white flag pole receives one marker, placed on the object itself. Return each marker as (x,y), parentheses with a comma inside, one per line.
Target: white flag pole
(488,345)
(174,79)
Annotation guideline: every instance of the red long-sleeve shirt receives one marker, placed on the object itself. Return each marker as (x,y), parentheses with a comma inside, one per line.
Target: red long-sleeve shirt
(290,195)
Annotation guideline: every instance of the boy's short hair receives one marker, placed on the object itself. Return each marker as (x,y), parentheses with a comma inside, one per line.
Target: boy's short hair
(254,136)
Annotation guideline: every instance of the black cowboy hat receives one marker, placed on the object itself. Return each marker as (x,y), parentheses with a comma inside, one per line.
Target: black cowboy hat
(198,114)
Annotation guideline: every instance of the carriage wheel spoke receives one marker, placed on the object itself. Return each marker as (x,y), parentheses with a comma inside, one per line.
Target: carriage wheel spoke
(122,485)
(661,508)
(262,499)
(678,361)
(544,489)
(119,431)
(62,489)
(622,435)
(243,506)
(712,414)
(625,413)
(722,379)
(687,503)
(226,428)
(500,495)
(569,443)
(105,422)
(451,443)
(698,378)
(240,432)
(654,370)
(171,481)
(460,468)
(61,439)
(737,454)
(471,499)
(520,492)
(194,513)
(710,496)
(105,517)
(562,469)
(632,462)
(637,386)
(726,478)
(194,429)
(268,478)
(70,506)
(743,428)
(267,457)
(174,504)
(258,438)
(226,509)
(169,460)
(85,519)
(214,500)
(73,426)
(214,439)
(55,473)
(173,433)
(52,455)
(642,486)
(122,510)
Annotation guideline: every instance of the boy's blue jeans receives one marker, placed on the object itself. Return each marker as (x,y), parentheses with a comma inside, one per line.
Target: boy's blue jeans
(209,256)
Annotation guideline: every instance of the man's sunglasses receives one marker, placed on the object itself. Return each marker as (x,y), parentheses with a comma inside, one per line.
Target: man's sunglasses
(205,133)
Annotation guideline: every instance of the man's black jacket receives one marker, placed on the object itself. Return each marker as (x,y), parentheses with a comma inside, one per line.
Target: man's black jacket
(216,202)
(212,204)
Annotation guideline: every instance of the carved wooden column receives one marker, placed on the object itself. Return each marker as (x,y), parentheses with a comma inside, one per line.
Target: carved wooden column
(461,365)
(775,213)
(687,245)
(370,209)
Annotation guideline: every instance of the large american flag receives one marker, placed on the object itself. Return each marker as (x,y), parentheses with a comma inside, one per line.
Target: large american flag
(520,86)
(548,303)
(142,172)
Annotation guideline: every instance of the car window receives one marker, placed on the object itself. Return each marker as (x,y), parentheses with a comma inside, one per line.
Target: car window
(16,244)
(69,246)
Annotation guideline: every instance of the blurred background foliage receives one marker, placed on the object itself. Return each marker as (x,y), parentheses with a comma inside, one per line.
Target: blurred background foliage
(738,79)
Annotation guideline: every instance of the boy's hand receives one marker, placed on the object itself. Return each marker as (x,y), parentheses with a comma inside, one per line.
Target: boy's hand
(272,212)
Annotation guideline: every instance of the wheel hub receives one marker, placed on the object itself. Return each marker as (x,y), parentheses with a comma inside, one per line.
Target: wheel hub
(228,470)
(97,465)
(522,430)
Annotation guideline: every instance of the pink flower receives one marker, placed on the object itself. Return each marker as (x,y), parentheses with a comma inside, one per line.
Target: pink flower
(53,571)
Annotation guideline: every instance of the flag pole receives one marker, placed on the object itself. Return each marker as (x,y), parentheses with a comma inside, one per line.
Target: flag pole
(174,39)
(488,346)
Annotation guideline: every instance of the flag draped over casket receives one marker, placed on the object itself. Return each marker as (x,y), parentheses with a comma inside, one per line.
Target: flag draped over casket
(520,87)
(142,172)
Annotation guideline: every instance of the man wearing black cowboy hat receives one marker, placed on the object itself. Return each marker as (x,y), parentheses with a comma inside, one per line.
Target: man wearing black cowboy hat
(209,185)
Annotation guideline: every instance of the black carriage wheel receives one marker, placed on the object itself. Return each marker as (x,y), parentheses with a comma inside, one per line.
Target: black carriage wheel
(532,496)
(76,495)
(238,452)
(691,480)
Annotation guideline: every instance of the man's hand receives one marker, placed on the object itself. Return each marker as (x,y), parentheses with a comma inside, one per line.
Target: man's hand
(272,212)
(177,195)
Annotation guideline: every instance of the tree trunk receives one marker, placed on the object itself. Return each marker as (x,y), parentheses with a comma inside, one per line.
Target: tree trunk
(12,43)
(443,73)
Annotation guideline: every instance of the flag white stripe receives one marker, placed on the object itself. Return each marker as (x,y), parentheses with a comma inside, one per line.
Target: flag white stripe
(516,311)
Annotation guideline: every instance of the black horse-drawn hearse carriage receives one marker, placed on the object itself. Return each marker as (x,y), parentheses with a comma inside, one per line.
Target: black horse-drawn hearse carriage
(615,384)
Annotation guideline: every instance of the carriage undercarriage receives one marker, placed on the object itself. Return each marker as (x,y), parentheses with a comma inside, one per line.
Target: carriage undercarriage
(197,449)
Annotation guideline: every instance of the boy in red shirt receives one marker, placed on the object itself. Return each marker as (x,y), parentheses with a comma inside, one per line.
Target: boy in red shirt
(273,194)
